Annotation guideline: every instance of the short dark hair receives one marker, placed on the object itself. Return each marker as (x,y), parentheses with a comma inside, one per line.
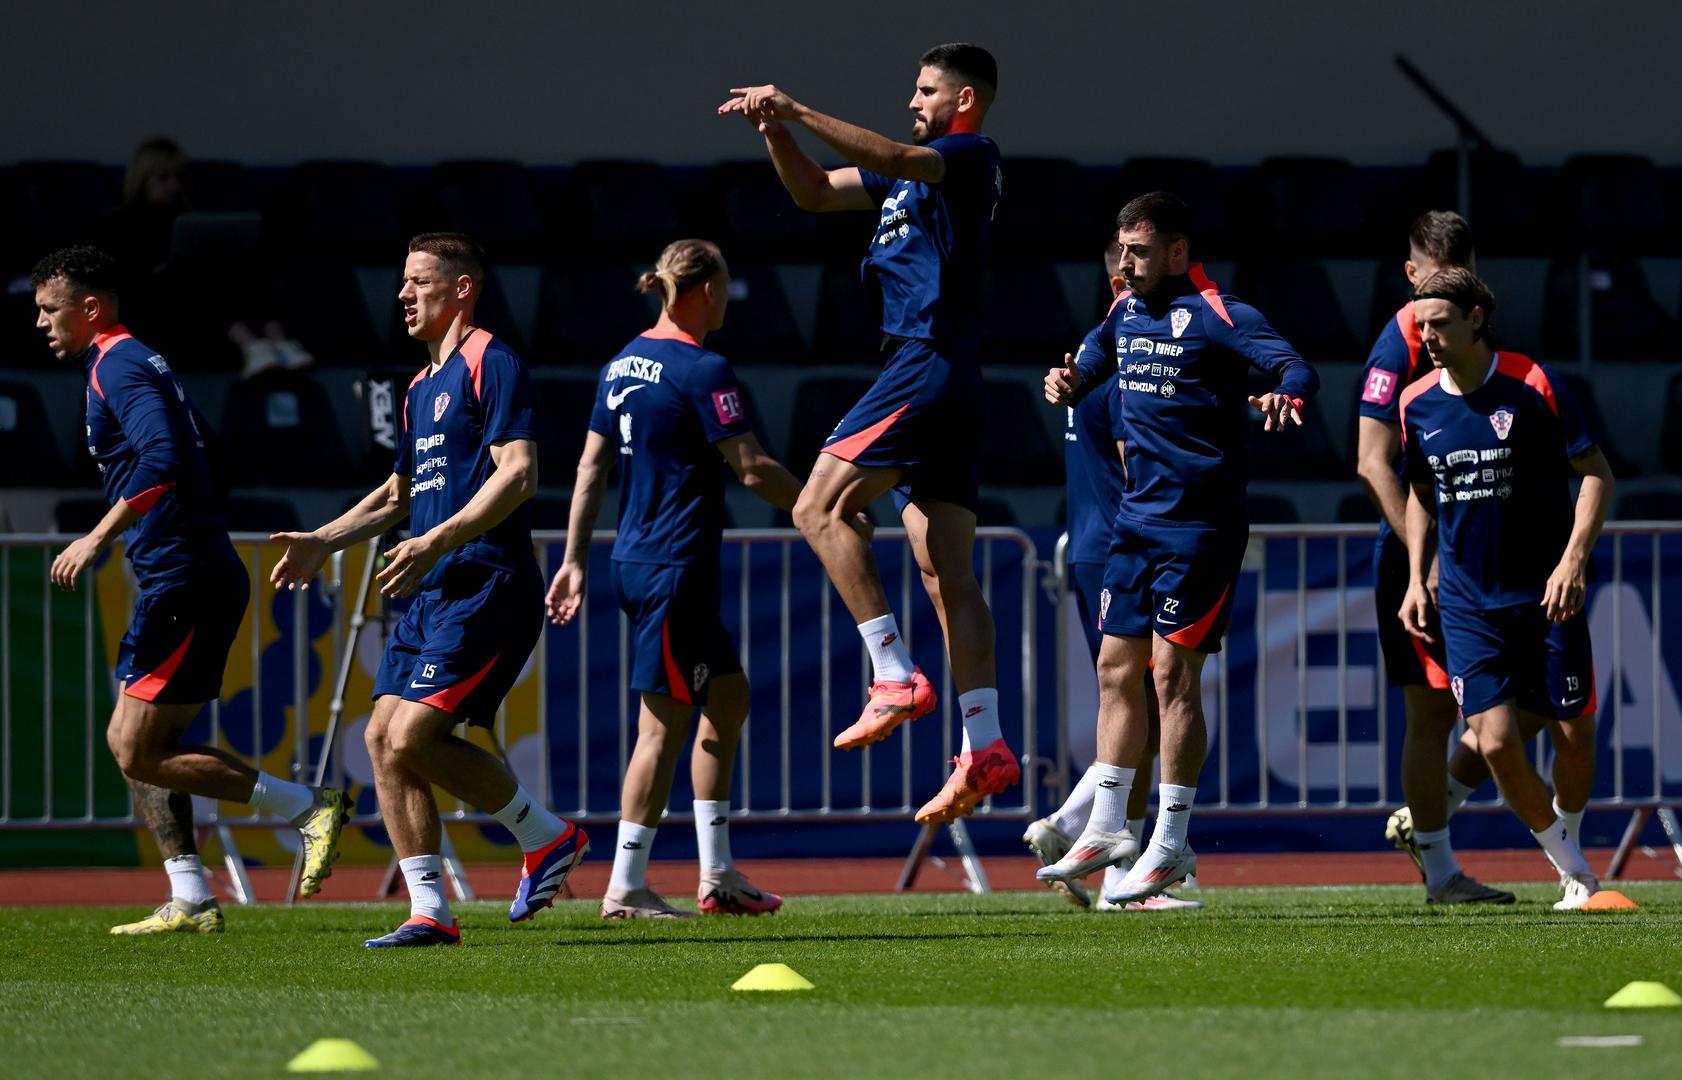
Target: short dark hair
(1443,237)
(457,253)
(1161,210)
(83,266)
(1462,288)
(971,63)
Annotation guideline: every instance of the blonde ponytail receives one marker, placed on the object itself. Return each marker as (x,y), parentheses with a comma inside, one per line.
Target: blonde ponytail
(682,266)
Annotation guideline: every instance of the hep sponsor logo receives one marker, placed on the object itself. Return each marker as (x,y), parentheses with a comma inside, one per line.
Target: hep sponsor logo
(1381,387)
(728,405)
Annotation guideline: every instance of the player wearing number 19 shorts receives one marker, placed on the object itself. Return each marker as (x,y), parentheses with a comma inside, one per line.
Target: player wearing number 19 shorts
(1491,439)
(1182,350)
(466,464)
(917,430)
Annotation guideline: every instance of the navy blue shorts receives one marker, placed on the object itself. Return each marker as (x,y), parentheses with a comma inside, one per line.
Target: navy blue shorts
(924,416)
(461,646)
(1407,660)
(1176,581)
(1086,581)
(177,643)
(1515,653)
(679,642)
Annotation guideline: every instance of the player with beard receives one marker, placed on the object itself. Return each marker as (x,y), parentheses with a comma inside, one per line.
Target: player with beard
(917,431)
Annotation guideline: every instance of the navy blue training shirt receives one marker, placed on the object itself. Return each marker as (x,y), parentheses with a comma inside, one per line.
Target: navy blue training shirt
(1094,476)
(143,433)
(1182,359)
(481,394)
(1392,366)
(923,269)
(664,401)
(1498,460)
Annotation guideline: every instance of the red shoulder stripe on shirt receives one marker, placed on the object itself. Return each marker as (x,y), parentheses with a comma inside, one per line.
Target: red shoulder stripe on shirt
(1210,291)
(103,342)
(1409,326)
(473,351)
(1528,372)
(1413,390)
(669,335)
(419,375)
(1119,297)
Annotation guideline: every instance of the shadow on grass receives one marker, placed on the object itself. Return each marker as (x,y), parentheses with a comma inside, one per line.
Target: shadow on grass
(708,939)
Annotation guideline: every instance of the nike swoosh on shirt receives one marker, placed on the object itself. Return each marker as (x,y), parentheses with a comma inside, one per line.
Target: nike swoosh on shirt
(614,400)
(1165,622)
(1425,436)
(422,685)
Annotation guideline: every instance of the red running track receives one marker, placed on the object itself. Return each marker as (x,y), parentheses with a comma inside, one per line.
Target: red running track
(804,877)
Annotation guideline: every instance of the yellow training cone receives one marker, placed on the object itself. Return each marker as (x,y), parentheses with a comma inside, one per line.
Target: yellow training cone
(1644,995)
(772,977)
(332,1055)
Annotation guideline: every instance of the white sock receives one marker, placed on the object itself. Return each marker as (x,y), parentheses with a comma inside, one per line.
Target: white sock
(424,874)
(712,834)
(1136,826)
(1070,818)
(980,712)
(889,657)
(1437,852)
(282,798)
(1561,850)
(186,879)
(1573,824)
(1173,815)
(1458,793)
(533,827)
(1109,801)
(1114,875)
(630,858)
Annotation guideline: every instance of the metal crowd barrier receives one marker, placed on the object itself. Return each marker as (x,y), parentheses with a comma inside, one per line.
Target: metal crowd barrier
(1298,774)
(837,695)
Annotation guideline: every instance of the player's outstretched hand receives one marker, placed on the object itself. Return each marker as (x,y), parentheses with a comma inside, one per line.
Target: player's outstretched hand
(406,565)
(566,594)
(1567,587)
(68,568)
(761,104)
(1277,408)
(1416,608)
(305,555)
(1062,382)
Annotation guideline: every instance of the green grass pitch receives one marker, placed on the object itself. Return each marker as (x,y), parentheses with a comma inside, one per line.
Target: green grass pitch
(1364,982)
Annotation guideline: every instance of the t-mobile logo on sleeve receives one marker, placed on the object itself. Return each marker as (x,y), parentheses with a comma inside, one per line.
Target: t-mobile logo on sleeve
(728,405)
(1381,387)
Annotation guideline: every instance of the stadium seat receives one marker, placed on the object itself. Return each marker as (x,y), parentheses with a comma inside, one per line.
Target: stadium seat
(495,202)
(819,404)
(1204,190)
(344,212)
(322,305)
(756,218)
(47,204)
(759,327)
(29,454)
(1305,206)
(1024,318)
(1297,453)
(587,312)
(279,430)
(847,330)
(622,209)
(262,514)
(1582,391)
(1503,197)
(1613,203)
(1670,436)
(1626,323)
(1297,298)
(1046,212)
(1017,451)
(994,513)
(1271,510)
(221,187)
(1650,506)
(1357,510)
(564,408)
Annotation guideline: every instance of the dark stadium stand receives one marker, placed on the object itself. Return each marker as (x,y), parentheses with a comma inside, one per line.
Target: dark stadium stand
(278,430)
(28,450)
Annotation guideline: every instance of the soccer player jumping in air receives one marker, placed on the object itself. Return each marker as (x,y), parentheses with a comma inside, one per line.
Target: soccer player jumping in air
(1182,349)
(144,434)
(671,413)
(1491,438)
(466,463)
(917,431)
